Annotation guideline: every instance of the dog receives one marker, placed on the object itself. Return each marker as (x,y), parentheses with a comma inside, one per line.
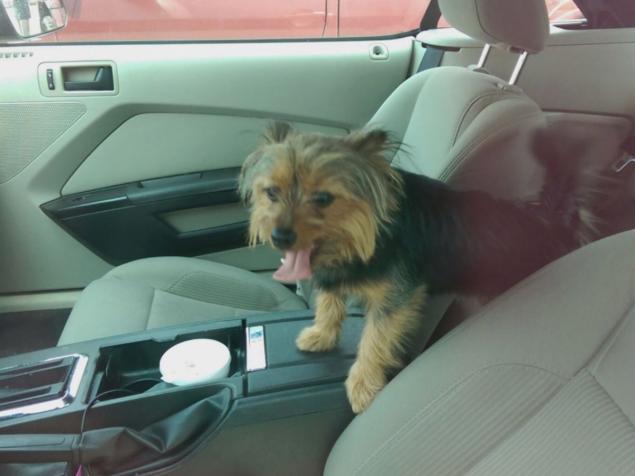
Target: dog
(360,228)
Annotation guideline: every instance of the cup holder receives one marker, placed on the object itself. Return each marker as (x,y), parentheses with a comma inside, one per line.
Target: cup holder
(134,367)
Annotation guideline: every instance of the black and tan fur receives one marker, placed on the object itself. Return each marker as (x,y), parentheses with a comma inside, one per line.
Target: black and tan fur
(390,237)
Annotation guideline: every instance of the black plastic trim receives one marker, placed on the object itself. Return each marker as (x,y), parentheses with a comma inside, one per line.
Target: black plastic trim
(37,448)
(287,367)
(103,81)
(316,392)
(404,34)
(443,48)
(123,223)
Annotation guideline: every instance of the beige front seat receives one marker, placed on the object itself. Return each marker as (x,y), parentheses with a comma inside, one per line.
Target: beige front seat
(541,382)
(456,124)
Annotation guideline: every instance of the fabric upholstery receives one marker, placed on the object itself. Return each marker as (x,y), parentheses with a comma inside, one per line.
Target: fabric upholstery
(540,382)
(522,24)
(157,292)
(470,129)
(581,431)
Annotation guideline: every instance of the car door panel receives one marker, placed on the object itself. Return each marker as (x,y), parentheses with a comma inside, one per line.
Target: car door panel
(155,145)
(179,109)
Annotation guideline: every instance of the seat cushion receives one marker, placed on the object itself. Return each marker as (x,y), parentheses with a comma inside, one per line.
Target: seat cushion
(157,292)
(540,382)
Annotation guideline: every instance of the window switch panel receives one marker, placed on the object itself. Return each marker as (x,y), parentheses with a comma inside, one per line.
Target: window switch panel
(49,79)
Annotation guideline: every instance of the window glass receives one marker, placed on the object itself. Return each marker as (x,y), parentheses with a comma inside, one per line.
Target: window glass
(559,11)
(563,10)
(380,17)
(123,20)
(167,20)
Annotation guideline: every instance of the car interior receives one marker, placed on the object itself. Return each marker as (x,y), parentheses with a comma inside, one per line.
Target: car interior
(123,234)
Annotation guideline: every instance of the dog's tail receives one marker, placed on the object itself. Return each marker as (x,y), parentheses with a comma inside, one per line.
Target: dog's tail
(571,187)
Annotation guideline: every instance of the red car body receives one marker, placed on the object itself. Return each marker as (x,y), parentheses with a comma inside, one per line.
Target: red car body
(122,20)
(166,20)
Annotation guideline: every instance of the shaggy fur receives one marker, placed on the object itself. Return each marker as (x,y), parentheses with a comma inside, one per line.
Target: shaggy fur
(390,237)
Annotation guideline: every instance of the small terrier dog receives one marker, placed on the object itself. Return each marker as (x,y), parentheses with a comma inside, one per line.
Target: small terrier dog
(359,227)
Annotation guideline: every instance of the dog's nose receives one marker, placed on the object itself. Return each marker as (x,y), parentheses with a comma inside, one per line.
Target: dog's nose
(283,237)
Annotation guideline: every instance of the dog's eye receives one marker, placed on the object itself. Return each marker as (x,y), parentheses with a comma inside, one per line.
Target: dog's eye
(272,193)
(322,199)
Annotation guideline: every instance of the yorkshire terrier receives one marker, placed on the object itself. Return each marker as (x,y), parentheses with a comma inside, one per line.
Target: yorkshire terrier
(361,228)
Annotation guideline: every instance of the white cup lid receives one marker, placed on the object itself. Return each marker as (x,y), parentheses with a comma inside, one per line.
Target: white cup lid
(195,361)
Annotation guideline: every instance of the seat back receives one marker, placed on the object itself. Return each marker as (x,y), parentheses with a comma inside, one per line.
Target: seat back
(464,126)
(468,128)
(539,382)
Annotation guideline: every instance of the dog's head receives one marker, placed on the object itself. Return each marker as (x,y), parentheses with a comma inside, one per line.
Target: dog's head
(320,199)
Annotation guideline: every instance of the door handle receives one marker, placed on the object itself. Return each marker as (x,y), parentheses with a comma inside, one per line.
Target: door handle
(103,81)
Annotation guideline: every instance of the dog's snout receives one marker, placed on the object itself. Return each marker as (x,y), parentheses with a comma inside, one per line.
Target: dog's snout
(283,237)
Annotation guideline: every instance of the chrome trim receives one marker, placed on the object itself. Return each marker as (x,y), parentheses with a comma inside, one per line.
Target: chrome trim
(484,54)
(256,351)
(518,68)
(77,374)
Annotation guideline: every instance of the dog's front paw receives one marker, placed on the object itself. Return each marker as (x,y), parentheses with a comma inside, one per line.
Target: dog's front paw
(314,339)
(362,386)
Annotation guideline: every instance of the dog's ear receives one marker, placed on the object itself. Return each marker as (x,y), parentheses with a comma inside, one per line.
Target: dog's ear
(368,142)
(276,132)
(246,176)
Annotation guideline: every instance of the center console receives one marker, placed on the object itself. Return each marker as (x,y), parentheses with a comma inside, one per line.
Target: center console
(102,404)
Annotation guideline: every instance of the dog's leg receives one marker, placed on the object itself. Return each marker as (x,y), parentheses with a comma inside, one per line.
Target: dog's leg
(381,347)
(325,331)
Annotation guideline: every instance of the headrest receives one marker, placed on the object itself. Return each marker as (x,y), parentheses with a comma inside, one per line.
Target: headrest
(522,24)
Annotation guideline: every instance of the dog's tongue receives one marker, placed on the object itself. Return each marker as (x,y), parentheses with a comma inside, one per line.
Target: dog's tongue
(295,266)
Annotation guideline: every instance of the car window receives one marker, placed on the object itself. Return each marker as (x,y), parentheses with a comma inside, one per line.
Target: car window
(171,20)
(563,10)
(559,11)
(380,17)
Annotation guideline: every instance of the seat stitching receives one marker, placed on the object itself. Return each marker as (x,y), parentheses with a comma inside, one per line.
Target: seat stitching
(469,107)
(459,158)
(450,388)
(480,22)
(607,344)
(510,295)
(184,276)
(474,320)
(617,405)
(396,157)
(150,308)
(262,286)
(466,110)
(516,430)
